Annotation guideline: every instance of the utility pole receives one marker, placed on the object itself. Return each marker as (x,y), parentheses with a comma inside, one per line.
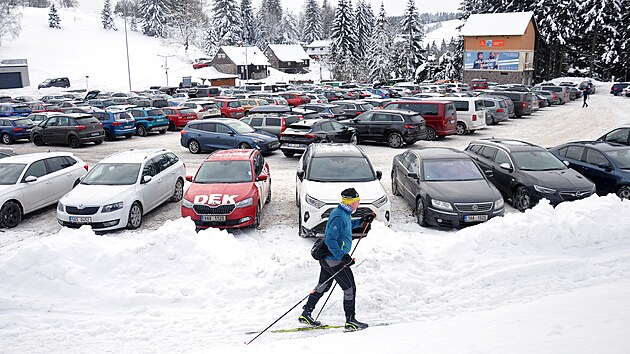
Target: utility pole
(127,47)
(166,65)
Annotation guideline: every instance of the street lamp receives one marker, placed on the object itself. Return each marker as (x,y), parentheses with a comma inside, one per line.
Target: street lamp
(86,82)
(166,65)
(127,46)
(241,44)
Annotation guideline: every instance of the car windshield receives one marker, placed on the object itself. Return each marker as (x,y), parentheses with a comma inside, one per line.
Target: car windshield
(112,174)
(337,110)
(209,105)
(450,170)
(10,172)
(224,172)
(24,122)
(122,115)
(240,127)
(340,169)
(621,158)
(537,161)
(155,112)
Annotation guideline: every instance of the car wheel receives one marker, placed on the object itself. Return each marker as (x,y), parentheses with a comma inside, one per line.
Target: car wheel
(108,136)
(74,142)
(461,128)
(163,131)
(244,146)
(395,140)
(141,130)
(178,193)
(288,153)
(193,146)
(256,223)
(521,199)
(395,190)
(430,134)
(171,126)
(98,142)
(354,139)
(421,213)
(10,214)
(37,140)
(135,216)
(624,192)
(6,139)
(489,120)
(268,194)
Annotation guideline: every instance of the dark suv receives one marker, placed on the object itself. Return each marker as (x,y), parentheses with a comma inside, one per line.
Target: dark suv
(394,127)
(57,82)
(326,110)
(618,87)
(74,129)
(527,173)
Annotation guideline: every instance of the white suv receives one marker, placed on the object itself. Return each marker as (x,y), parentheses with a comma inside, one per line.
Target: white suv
(323,172)
(123,187)
(33,181)
(203,108)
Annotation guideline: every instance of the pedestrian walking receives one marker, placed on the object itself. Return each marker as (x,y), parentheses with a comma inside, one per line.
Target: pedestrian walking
(585,97)
(338,238)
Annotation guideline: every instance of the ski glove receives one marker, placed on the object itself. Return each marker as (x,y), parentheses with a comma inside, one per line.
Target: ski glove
(347,260)
(367,218)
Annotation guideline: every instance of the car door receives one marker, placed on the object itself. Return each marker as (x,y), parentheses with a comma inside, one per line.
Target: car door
(362,125)
(47,130)
(409,185)
(61,130)
(328,129)
(621,136)
(152,191)
(39,193)
(501,178)
(164,176)
(598,169)
(204,133)
(225,137)
(342,133)
(379,125)
(260,167)
(62,177)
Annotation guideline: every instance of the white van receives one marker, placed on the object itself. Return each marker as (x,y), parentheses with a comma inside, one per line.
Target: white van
(471,113)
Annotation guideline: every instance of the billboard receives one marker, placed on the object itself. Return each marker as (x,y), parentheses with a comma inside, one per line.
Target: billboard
(504,61)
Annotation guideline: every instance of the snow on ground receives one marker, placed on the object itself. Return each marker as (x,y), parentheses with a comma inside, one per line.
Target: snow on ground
(446,32)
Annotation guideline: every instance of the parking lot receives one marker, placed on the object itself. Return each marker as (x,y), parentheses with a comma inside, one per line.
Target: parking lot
(546,127)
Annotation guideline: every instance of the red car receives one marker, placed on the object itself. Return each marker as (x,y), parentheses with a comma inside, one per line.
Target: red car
(230,107)
(178,116)
(295,99)
(44,107)
(229,190)
(441,116)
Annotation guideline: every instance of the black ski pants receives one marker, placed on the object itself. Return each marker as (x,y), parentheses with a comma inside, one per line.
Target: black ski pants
(345,278)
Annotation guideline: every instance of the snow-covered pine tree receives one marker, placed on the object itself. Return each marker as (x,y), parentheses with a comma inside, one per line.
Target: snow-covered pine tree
(184,22)
(412,31)
(227,22)
(154,15)
(291,33)
(210,41)
(365,25)
(328,17)
(452,61)
(133,24)
(313,29)
(555,24)
(106,17)
(344,42)
(598,21)
(378,54)
(68,3)
(622,69)
(10,21)
(269,27)
(247,22)
(53,17)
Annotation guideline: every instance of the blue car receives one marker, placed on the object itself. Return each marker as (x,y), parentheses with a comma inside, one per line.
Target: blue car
(14,110)
(380,93)
(606,164)
(12,129)
(149,119)
(116,123)
(225,133)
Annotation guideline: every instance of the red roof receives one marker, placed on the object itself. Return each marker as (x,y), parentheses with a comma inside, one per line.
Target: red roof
(230,155)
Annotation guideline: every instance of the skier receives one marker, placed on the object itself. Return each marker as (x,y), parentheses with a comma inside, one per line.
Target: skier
(585,96)
(338,238)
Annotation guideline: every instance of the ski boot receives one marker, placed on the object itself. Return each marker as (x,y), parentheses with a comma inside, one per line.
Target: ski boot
(353,325)
(306,317)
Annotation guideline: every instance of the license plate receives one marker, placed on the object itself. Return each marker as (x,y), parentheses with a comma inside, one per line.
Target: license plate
(293,145)
(127,126)
(212,217)
(95,134)
(80,220)
(471,218)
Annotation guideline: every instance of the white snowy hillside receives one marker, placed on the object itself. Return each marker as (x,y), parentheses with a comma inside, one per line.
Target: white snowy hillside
(544,281)
(445,32)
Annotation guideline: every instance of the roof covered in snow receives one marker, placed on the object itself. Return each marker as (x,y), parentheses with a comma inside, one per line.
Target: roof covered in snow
(497,24)
(319,43)
(288,52)
(211,73)
(238,55)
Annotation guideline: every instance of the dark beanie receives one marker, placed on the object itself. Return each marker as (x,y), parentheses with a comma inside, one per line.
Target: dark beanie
(349,193)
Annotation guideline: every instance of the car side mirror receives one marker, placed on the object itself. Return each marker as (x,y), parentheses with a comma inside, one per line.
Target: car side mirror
(189,178)
(489,173)
(300,175)
(262,177)
(413,175)
(379,175)
(566,163)
(506,166)
(30,179)
(606,166)
(146,179)
(356,120)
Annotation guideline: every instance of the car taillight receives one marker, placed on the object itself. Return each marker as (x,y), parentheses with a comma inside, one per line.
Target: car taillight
(86,167)
(301,117)
(474,117)
(524,105)
(115,124)
(16,130)
(80,127)
(150,119)
(408,126)
(101,124)
(284,125)
(202,110)
(309,136)
(183,131)
(358,112)
(500,110)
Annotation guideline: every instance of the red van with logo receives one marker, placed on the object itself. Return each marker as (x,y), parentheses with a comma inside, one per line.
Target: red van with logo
(479,84)
(441,116)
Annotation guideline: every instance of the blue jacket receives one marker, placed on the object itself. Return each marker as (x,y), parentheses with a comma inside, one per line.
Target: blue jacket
(338,236)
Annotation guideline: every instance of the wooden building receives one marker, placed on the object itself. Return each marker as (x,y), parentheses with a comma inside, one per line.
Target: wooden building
(246,62)
(288,58)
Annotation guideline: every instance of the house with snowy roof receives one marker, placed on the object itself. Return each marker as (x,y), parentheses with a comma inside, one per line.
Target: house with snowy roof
(318,49)
(288,58)
(500,47)
(246,62)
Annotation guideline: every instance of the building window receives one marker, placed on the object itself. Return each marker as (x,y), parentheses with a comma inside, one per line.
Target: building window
(221,56)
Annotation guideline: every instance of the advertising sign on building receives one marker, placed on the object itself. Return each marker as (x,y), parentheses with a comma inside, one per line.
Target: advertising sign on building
(504,61)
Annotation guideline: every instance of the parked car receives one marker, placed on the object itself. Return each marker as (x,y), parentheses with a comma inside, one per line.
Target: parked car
(298,136)
(527,173)
(116,124)
(56,82)
(225,133)
(326,110)
(394,127)
(351,109)
(12,129)
(38,107)
(542,100)
(203,108)
(14,110)
(619,135)
(149,119)
(522,101)
(272,123)
(230,108)
(206,92)
(228,190)
(316,98)
(618,87)
(33,181)
(496,109)
(73,129)
(445,187)
(6,152)
(479,84)
(551,97)
(471,113)
(561,91)
(321,176)
(145,102)
(606,164)
(178,117)
(333,95)
(249,103)
(440,116)
(295,99)
(42,116)
(123,187)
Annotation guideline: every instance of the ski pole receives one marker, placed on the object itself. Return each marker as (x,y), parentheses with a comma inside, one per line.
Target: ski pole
(319,287)
(351,253)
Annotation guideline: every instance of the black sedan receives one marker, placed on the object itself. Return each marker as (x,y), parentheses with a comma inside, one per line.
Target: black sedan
(445,187)
(606,164)
(394,127)
(297,137)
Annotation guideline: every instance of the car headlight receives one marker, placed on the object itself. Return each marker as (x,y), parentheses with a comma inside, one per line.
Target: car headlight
(258,141)
(441,205)
(60,206)
(314,202)
(498,204)
(245,202)
(187,203)
(112,207)
(544,190)
(380,201)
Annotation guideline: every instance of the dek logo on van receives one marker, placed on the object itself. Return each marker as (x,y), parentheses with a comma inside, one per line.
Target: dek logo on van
(214,199)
